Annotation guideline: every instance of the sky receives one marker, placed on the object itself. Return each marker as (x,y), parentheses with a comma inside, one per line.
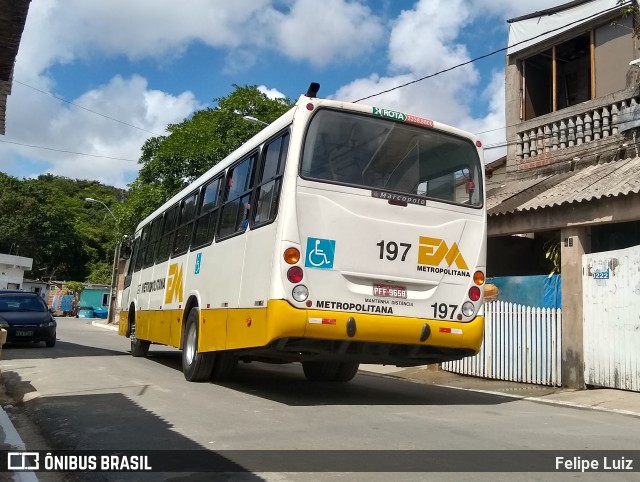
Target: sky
(94,80)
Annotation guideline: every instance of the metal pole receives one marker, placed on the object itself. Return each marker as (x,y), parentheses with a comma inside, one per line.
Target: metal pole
(113,290)
(114,284)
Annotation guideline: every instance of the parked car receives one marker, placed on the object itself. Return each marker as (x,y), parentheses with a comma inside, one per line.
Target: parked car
(26,317)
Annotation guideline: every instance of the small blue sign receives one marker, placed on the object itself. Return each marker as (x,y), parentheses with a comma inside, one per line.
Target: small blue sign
(601,274)
(198,261)
(320,253)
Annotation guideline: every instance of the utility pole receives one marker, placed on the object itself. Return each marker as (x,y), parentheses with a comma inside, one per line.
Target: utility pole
(116,259)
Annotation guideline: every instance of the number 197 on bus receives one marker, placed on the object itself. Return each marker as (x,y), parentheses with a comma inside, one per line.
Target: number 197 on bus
(393,250)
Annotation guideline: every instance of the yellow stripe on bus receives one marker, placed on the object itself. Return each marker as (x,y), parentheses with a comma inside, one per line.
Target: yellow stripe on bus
(227,329)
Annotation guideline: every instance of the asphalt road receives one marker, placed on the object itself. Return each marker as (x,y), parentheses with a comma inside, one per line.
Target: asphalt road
(88,393)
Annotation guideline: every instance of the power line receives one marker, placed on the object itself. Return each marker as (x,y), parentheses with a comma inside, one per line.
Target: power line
(487,55)
(85,108)
(65,151)
(606,145)
(492,146)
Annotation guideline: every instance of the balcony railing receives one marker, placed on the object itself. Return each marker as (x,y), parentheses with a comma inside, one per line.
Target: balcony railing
(577,125)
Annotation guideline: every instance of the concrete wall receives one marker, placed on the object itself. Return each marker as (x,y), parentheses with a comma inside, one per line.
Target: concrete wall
(615,48)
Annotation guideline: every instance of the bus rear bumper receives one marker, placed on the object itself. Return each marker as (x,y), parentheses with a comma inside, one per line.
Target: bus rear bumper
(370,338)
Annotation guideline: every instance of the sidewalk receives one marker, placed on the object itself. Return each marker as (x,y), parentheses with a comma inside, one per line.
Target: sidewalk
(603,399)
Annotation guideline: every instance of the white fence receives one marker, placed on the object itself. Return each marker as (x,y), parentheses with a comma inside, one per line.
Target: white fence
(521,344)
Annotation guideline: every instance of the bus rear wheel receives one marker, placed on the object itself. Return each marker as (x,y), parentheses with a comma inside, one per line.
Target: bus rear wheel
(225,367)
(196,366)
(330,371)
(139,348)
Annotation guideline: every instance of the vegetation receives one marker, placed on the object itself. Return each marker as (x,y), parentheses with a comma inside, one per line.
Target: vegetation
(74,287)
(48,219)
(630,9)
(552,251)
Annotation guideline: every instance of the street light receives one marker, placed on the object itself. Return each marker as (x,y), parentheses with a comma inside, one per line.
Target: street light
(116,257)
(91,200)
(253,120)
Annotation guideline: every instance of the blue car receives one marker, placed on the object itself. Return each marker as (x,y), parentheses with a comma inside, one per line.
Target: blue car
(26,317)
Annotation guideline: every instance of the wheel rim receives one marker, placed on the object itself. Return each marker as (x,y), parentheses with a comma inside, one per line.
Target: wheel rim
(190,348)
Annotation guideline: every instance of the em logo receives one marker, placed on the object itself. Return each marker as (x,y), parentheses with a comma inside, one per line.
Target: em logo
(174,284)
(433,250)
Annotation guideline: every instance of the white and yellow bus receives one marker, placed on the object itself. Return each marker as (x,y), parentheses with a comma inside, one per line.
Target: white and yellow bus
(340,234)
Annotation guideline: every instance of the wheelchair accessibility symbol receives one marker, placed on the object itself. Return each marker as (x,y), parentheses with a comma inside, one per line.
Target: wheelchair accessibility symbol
(320,253)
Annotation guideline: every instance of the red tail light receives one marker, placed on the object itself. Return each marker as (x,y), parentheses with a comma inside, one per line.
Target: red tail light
(474,293)
(295,274)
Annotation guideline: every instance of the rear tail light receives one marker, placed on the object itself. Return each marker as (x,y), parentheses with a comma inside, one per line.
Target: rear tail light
(295,274)
(474,293)
(478,278)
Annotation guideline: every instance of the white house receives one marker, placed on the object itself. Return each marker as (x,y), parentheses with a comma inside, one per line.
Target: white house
(36,286)
(12,270)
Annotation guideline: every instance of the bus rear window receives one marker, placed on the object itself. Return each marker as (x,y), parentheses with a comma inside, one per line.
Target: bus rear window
(380,154)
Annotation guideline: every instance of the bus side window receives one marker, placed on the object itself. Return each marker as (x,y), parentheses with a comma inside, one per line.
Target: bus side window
(237,197)
(267,193)
(154,235)
(144,242)
(185,225)
(134,253)
(207,214)
(166,241)
(131,262)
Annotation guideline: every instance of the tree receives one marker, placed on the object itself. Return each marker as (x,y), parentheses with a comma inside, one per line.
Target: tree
(197,144)
(31,219)
(47,219)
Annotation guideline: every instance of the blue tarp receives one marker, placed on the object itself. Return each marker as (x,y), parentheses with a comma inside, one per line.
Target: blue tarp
(66,304)
(540,291)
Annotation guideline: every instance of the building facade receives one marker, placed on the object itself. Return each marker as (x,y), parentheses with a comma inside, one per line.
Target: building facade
(572,183)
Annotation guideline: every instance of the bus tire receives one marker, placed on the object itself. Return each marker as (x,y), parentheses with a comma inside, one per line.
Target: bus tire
(224,367)
(196,366)
(320,371)
(139,348)
(346,371)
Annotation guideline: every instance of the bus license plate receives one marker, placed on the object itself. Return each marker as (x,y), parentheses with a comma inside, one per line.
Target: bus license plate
(389,291)
(24,333)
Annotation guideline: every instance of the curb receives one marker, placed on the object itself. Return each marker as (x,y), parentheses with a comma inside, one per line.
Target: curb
(104,325)
(13,440)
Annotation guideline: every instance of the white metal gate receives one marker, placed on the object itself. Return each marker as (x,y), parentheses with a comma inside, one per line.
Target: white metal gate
(521,344)
(611,304)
